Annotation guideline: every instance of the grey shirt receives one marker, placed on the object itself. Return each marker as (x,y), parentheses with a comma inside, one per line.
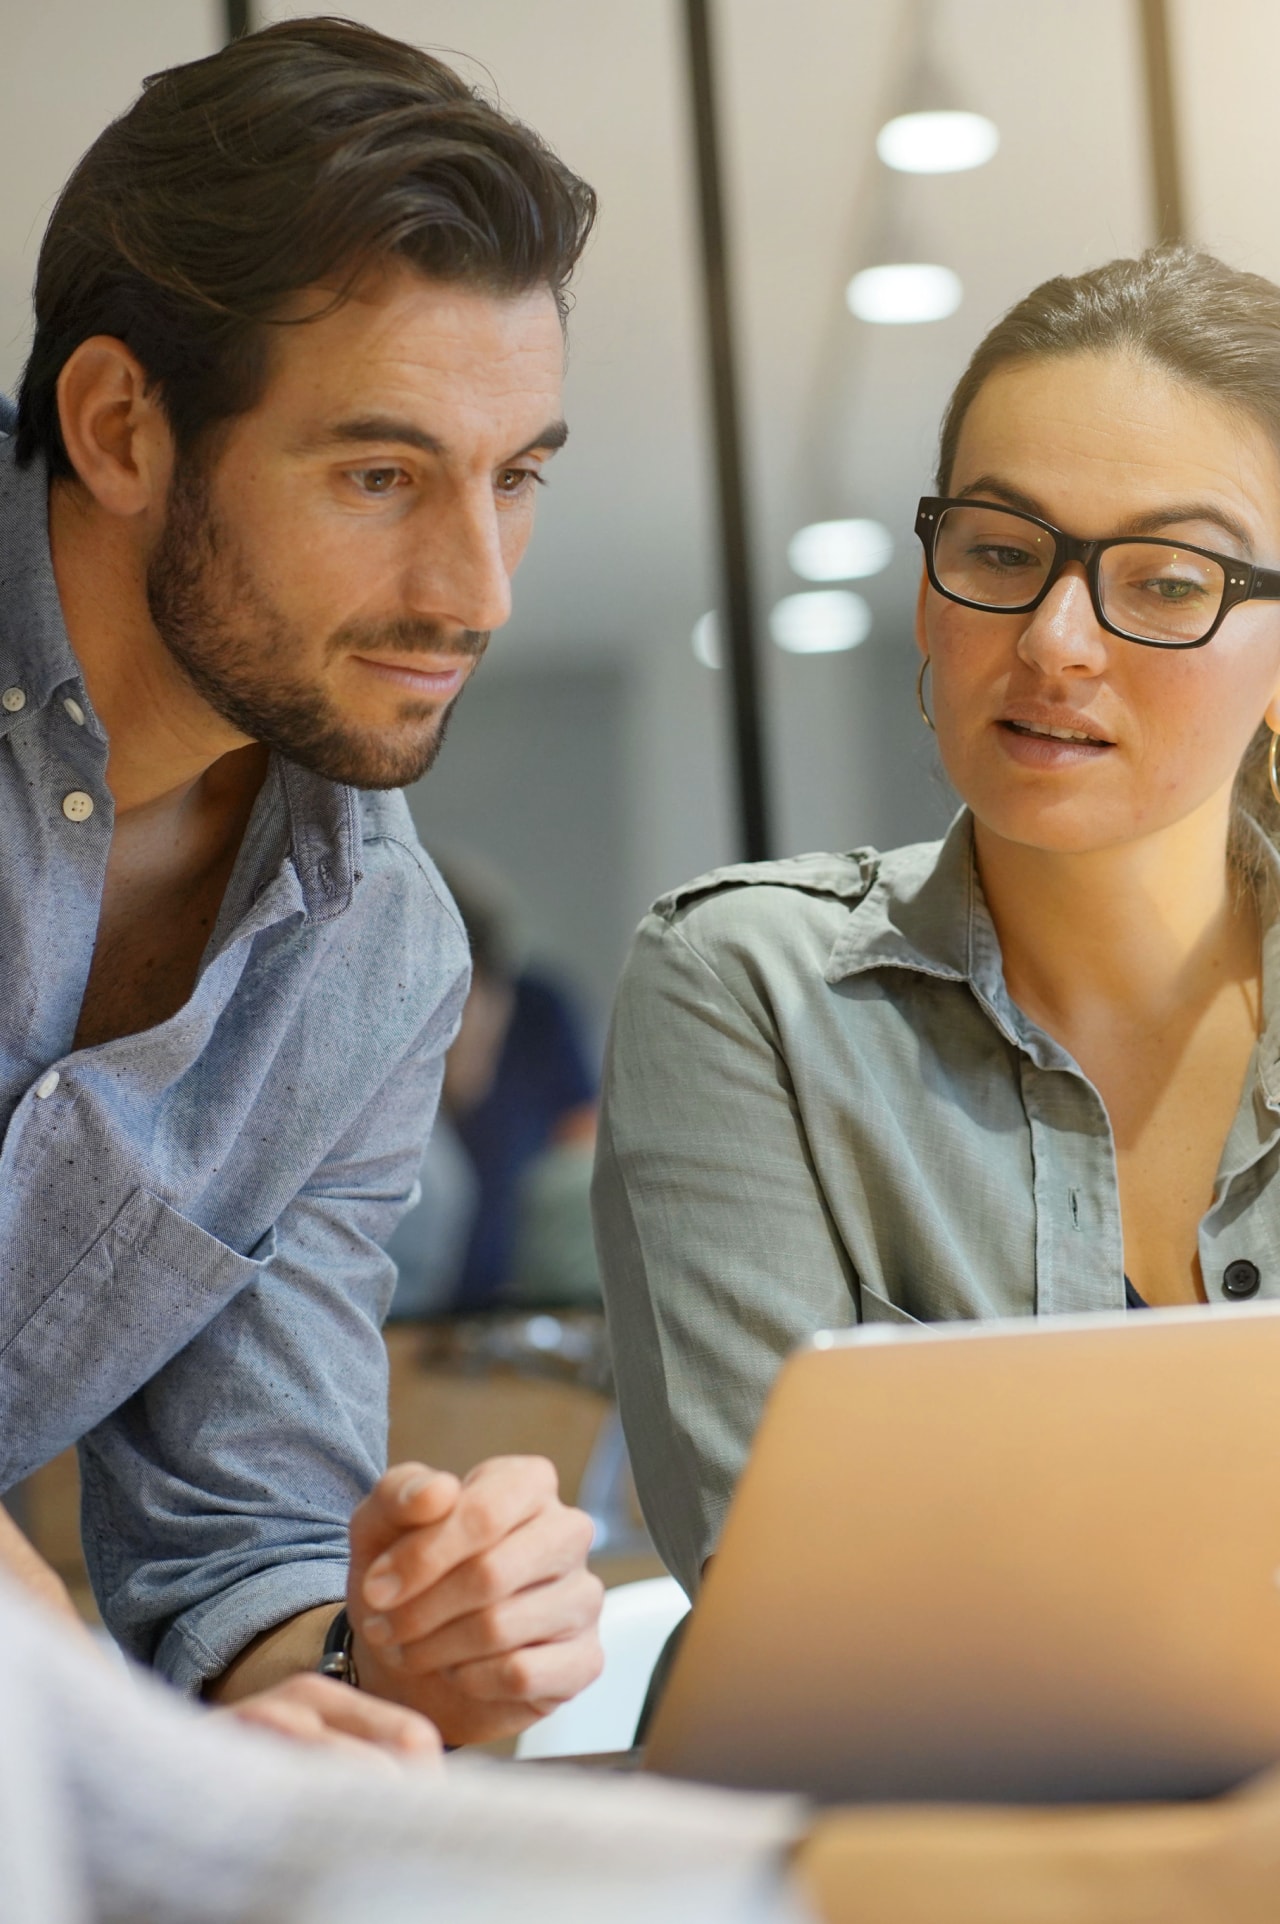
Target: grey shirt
(192,1219)
(821,1106)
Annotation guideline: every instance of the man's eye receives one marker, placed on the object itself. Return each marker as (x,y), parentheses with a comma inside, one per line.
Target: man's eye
(376,480)
(519,480)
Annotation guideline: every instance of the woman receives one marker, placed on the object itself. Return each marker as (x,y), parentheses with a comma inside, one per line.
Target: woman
(1017,1071)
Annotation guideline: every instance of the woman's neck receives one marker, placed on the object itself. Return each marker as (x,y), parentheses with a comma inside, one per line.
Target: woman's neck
(1144,932)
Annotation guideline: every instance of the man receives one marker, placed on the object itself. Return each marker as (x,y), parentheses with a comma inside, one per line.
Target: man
(295,376)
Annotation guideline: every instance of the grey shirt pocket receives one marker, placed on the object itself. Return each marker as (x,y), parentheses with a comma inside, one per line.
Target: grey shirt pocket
(873,1308)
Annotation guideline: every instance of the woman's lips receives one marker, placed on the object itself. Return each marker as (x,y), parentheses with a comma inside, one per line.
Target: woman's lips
(1049,744)
(439,680)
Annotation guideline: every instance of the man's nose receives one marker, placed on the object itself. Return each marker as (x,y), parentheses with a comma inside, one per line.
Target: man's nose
(458,574)
(1062,637)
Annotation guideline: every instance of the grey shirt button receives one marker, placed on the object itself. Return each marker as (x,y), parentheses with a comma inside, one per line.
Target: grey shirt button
(75,711)
(47,1084)
(1241,1279)
(14,699)
(77,806)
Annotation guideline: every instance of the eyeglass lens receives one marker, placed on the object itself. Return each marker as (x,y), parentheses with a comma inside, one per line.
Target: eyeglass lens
(998,559)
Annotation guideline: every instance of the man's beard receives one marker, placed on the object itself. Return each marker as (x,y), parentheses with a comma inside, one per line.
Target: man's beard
(236,647)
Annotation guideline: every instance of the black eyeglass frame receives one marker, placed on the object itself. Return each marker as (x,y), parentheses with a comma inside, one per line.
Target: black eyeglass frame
(1241,580)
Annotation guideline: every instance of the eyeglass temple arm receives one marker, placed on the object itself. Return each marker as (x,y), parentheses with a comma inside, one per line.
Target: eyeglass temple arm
(1266,585)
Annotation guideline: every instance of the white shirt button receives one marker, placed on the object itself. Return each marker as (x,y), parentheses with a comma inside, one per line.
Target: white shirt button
(75,711)
(77,806)
(47,1084)
(14,699)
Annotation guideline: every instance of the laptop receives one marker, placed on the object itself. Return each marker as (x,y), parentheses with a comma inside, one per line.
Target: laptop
(1025,1561)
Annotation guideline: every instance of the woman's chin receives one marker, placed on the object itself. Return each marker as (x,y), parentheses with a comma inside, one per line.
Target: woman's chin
(1067,825)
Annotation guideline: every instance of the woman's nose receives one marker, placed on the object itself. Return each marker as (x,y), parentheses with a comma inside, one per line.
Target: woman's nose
(1062,636)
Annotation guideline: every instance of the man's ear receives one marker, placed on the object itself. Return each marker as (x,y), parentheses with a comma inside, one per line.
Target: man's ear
(115,432)
(922,640)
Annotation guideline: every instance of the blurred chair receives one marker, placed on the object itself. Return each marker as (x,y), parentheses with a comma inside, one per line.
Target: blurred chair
(634,1626)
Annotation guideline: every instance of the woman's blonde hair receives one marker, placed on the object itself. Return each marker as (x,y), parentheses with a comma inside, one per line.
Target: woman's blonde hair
(1184,311)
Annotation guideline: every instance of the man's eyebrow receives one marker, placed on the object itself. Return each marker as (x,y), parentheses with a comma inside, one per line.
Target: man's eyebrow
(1172,514)
(364,428)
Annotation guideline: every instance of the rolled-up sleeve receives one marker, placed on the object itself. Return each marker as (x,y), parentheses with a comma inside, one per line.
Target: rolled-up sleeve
(717,1250)
(217,1498)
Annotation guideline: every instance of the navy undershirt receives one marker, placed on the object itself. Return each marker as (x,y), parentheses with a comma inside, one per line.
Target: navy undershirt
(1132,1300)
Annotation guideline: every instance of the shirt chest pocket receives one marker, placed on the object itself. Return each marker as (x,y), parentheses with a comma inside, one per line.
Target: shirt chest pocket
(137,1296)
(873,1308)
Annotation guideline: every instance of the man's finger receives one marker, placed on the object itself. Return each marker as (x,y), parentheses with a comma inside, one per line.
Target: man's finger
(490,1504)
(410,1496)
(296,1724)
(540,1676)
(319,1710)
(534,1558)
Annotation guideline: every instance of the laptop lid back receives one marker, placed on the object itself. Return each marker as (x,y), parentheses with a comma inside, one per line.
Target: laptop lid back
(1028,1561)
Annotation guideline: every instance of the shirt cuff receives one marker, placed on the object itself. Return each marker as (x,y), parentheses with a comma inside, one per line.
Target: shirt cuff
(200,1644)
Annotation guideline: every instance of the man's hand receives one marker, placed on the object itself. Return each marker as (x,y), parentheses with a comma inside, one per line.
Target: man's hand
(471,1600)
(309,1709)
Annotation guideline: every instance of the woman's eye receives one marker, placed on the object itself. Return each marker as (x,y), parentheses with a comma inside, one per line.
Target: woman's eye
(1169,588)
(1001,557)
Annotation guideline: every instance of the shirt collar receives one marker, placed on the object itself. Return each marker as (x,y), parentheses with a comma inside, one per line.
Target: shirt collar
(35,654)
(1266,881)
(915,913)
(925,911)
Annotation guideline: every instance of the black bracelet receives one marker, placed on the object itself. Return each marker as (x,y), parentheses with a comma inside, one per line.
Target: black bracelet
(336,1659)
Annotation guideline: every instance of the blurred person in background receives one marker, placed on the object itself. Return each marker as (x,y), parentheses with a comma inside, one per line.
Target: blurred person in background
(505,1212)
(295,378)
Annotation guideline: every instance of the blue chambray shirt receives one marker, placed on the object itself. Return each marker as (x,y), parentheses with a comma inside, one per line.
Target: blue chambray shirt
(192,1277)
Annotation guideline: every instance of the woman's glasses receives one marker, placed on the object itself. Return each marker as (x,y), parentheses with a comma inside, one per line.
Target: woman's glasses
(1144,589)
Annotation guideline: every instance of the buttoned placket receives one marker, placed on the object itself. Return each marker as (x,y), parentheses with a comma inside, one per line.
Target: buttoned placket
(65,761)
(1076,1178)
(1239,1239)
(1075,1182)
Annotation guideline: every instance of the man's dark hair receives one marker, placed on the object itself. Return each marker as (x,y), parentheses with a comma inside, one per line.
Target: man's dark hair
(299,156)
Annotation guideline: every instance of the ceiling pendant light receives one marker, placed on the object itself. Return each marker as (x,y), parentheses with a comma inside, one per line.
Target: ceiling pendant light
(937,141)
(840,550)
(932,132)
(904,292)
(822,622)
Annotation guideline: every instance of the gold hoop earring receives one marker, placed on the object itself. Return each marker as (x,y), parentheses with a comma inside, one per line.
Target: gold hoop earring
(927,719)
(1272,770)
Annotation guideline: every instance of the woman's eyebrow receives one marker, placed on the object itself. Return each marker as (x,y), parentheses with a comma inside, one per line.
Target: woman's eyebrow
(1183,511)
(1154,521)
(990,488)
